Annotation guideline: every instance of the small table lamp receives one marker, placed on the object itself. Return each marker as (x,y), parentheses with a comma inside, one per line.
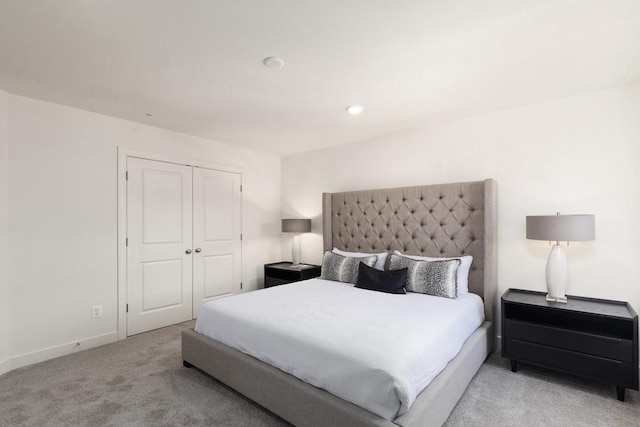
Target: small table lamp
(296,226)
(565,228)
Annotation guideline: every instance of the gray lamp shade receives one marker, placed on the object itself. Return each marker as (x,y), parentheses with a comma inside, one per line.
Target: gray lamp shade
(296,225)
(561,228)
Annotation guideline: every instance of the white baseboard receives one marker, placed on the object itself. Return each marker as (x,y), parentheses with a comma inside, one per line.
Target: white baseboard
(5,366)
(38,356)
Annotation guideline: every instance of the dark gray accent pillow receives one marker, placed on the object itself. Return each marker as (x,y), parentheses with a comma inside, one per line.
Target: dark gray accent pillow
(437,278)
(343,269)
(391,282)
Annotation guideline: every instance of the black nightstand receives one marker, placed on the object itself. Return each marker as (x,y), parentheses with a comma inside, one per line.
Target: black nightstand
(589,337)
(280,273)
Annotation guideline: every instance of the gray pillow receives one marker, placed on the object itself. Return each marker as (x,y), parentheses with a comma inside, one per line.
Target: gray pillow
(343,269)
(437,278)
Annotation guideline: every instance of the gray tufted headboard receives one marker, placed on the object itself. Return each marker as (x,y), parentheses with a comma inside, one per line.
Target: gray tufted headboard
(433,220)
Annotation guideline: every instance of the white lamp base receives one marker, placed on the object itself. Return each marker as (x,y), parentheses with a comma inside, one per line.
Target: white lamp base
(557,275)
(295,251)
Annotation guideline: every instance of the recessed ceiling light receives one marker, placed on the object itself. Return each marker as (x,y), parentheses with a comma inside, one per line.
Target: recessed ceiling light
(355,109)
(273,62)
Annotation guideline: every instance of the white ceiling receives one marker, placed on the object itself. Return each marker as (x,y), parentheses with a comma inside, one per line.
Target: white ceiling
(196,65)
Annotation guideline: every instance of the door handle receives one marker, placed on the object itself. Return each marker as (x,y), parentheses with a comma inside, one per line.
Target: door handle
(198,250)
(188,251)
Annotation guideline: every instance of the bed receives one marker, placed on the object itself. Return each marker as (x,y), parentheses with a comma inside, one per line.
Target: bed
(444,220)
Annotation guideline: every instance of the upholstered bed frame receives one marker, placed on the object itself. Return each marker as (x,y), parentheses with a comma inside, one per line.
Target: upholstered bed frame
(432,220)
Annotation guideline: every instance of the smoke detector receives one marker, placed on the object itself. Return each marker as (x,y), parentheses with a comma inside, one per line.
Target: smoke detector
(273,62)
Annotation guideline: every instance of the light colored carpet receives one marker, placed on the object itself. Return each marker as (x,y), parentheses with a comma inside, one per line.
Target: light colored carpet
(538,397)
(141,381)
(138,381)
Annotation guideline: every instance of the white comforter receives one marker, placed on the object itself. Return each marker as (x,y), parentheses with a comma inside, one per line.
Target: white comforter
(376,350)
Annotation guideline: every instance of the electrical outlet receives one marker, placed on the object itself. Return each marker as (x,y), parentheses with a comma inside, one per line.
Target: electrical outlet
(96,311)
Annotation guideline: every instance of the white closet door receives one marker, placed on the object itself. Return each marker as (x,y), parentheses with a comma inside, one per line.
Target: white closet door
(216,235)
(159,231)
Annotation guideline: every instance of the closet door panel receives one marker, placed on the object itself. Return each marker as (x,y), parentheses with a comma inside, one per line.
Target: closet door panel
(159,231)
(218,276)
(216,233)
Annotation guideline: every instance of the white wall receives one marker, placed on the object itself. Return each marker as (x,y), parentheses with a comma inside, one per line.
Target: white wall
(574,155)
(4,233)
(63,218)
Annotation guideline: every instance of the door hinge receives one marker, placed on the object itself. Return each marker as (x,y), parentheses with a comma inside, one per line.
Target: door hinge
(127,242)
(126,175)
(240,236)
(127,308)
(240,285)
(241,188)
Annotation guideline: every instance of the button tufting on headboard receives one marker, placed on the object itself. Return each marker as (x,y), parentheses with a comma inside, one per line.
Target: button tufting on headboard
(433,220)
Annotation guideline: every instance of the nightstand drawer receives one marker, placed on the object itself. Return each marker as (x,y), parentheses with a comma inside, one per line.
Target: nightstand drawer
(601,368)
(270,281)
(283,274)
(597,345)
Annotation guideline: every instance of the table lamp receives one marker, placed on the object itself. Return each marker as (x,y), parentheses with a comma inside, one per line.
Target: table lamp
(296,226)
(559,228)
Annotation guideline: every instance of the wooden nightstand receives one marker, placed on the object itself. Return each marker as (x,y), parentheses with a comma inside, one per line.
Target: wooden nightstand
(281,272)
(590,337)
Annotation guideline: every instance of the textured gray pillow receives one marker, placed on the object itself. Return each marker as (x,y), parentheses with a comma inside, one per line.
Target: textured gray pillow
(343,269)
(437,278)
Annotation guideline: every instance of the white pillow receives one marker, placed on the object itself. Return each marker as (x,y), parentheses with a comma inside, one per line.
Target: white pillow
(463,270)
(382,257)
